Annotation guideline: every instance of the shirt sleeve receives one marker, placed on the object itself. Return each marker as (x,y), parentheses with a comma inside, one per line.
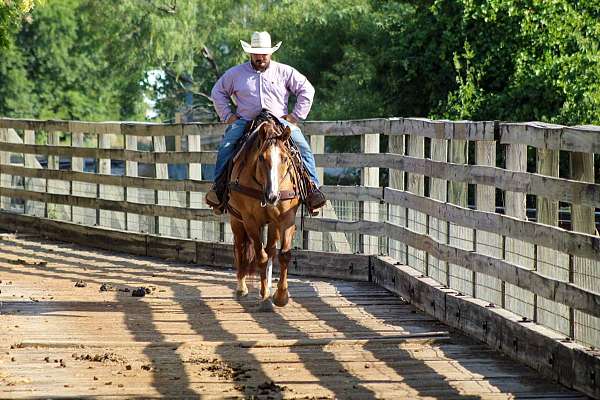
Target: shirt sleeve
(221,94)
(299,85)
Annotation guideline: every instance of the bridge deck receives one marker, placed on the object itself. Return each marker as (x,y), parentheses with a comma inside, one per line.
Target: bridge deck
(190,336)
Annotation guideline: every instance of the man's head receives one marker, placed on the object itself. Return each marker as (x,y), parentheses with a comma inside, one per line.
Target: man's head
(260,50)
(260,62)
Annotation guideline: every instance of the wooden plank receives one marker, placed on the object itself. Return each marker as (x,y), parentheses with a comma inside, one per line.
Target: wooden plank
(112,205)
(369,177)
(517,251)
(581,244)
(132,221)
(5,180)
(550,261)
(34,184)
(438,227)
(554,137)
(344,128)
(129,181)
(396,213)
(515,181)
(416,220)
(585,273)
(538,347)
(459,278)
(171,157)
(314,240)
(55,211)
(112,219)
(488,242)
(516,275)
(537,134)
(195,175)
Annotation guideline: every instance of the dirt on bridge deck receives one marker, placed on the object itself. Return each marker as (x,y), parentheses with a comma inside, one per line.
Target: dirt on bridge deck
(64,334)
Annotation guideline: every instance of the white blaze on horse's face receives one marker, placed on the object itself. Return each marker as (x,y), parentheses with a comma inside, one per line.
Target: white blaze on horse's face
(272,195)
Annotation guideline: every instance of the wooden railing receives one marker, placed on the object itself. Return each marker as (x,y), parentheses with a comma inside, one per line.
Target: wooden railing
(422,218)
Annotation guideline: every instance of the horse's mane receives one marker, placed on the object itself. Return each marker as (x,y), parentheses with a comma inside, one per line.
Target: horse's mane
(251,132)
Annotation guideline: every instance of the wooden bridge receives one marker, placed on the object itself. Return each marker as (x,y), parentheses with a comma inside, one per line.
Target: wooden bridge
(447,263)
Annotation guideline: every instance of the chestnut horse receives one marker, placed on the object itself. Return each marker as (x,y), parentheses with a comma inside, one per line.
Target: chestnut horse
(263,191)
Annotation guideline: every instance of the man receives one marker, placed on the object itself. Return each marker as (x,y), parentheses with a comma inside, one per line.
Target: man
(260,84)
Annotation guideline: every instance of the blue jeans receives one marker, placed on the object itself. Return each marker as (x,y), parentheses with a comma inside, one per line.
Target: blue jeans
(235,131)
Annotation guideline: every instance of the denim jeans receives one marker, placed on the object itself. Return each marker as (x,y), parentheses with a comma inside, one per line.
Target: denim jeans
(235,131)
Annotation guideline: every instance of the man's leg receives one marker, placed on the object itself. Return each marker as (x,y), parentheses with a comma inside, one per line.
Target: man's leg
(214,198)
(315,198)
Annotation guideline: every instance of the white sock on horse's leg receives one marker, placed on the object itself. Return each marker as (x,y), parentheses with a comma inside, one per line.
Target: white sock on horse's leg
(269,277)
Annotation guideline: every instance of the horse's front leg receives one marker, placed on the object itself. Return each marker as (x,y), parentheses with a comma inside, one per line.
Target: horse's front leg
(243,255)
(261,260)
(281,296)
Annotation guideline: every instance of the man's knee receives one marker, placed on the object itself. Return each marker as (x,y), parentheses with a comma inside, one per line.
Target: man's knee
(300,140)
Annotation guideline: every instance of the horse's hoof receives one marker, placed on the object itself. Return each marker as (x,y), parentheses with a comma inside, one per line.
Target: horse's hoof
(265,305)
(281,298)
(240,294)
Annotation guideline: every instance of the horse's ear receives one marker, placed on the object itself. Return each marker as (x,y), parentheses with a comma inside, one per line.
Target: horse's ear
(287,132)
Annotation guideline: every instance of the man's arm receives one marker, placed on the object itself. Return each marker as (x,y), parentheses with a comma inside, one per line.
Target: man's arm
(221,94)
(299,85)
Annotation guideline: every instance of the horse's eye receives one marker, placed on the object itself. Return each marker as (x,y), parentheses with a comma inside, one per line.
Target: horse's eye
(261,158)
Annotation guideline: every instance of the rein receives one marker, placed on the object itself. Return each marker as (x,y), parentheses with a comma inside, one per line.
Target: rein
(273,137)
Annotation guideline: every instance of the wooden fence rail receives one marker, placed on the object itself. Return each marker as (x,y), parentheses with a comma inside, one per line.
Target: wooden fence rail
(439,214)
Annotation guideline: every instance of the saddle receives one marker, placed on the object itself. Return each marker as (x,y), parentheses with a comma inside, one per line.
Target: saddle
(302,185)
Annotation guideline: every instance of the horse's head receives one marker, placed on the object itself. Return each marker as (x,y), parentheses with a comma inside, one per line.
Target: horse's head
(272,159)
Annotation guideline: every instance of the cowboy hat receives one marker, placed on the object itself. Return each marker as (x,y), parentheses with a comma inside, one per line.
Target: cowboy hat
(260,43)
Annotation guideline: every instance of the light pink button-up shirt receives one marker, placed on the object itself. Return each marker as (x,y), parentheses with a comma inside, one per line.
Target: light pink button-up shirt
(254,90)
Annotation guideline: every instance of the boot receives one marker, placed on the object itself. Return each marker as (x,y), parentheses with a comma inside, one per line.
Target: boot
(214,199)
(315,199)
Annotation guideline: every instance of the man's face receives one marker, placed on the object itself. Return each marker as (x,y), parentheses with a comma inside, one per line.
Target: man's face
(260,62)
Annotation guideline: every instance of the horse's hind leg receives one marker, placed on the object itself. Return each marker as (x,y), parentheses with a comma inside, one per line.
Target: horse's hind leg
(243,253)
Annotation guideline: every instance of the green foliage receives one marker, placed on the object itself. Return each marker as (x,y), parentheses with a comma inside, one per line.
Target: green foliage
(468,59)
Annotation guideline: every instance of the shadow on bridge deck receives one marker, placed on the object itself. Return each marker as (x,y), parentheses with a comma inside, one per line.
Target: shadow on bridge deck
(190,337)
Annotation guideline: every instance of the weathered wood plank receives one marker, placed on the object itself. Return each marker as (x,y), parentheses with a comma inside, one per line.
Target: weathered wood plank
(38,185)
(517,275)
(396,213)
(536,346)
(170,157)
(517,299)
(369,177)
(550,261)
(416,220)
(115,180)
(514,181)
(537,134)
(585,273)
(113,205)
(438,227)
(487,242)
(581,244)
(459,278)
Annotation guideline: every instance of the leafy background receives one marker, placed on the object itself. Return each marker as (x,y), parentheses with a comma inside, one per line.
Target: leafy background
(516,60)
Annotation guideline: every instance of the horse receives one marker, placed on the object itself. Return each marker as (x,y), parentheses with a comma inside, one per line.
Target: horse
(264,189)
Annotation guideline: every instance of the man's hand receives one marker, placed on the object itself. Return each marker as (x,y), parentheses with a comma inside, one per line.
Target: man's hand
(231,119)
(291,119)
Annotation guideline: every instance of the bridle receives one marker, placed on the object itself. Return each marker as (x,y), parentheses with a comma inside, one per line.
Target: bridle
(261,147)
(271,141)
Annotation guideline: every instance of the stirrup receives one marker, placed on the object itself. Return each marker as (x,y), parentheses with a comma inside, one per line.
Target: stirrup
(212,200)
(315,200)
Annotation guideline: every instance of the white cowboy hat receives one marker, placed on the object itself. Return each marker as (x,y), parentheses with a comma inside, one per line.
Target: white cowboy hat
(260,43)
